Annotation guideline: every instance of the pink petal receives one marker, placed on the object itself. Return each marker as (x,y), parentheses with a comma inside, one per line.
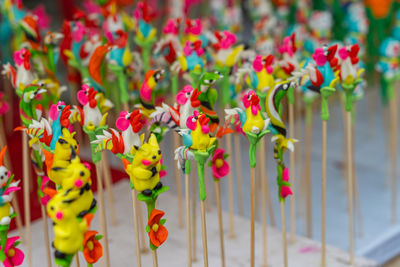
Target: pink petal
(7,263)
(10,242)
(18,258)
(218,154)
(215,172)
(224,170)
(286,191)
(285,175)
(162,173)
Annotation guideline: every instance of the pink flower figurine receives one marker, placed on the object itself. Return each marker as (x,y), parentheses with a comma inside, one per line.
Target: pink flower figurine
(220,167)
(14,256)
(285,190)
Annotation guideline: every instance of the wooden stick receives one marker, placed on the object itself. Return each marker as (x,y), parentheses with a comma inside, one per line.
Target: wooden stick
(103,221)
(217,188)
(46,235)
(77,260)
(257,195)
(394,154)
(194,226)
(284,242)
(252,206)
(265,196)
(231,203)
(323,195)
(206,184)
(239,182)
(155,260)
(292,175)
(143,248)
(178,182)
(188,231)
(298,128)
(263,174)
(136,226)
(18,219)
(109,191)
(308,144)
(204,233)
(7,162)
(27,201)
(350,185)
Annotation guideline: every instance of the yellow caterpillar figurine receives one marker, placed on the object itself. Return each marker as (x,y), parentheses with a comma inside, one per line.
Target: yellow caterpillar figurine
(76,187)
(145,167)
(65,146)
(68,230)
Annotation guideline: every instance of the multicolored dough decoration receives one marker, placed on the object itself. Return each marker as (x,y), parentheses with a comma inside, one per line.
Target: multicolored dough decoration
(149,69)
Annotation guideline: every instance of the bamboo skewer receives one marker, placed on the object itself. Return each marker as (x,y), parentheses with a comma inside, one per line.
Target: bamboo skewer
(103,221)
(136,226)
(394,154)
(77,260)
(239,182)
(188,230)
(155,260)
(109,191)
(18,219)
(143,248)
(194,226)
(292,174)
(284,242)
(217,187)
(178,182)
(264,182)
(46,235)
(230,189)
(206,184)
(252,211)
(350,186)
(308,144)
(27,209)
(204,233)
(323,195)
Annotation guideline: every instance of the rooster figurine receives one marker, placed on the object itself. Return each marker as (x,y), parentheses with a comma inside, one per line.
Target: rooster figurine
(94,109)
(252,120)
(23,74)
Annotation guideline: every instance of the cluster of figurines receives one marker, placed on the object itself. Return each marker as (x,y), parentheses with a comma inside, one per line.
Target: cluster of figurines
(115,60)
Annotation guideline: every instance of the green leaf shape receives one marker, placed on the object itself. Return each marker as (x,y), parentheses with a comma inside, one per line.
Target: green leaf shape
(187,167)
(96,155)
(326,92)
(201,159)
(122,81)
(254,139)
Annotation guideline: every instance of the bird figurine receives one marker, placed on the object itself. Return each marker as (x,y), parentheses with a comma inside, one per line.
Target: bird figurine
(252,120)
(198,137)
